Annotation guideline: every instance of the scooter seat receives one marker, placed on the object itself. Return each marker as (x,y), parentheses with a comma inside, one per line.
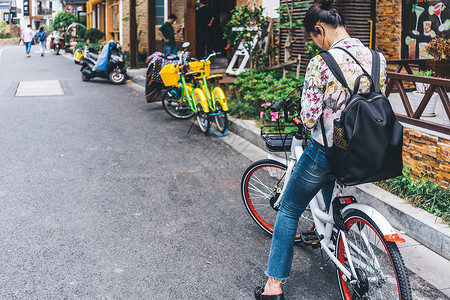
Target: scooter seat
(93,55)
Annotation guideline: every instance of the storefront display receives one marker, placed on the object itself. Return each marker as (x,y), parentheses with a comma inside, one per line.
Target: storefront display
(423,21)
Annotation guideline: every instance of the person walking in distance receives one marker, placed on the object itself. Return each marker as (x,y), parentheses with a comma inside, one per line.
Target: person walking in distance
(42,37)
(27,38)
(323,96)
(167,34)
(203,27)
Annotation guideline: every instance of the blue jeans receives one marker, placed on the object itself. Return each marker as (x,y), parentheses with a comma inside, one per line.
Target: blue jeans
(170,50)
(310,175)
(27,47)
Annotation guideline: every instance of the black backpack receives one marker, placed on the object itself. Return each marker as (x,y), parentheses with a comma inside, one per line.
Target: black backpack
(42,35)
(367,138)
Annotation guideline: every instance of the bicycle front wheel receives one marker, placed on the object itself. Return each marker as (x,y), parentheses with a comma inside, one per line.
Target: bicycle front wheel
(261,186)
(175,106)
(378,263)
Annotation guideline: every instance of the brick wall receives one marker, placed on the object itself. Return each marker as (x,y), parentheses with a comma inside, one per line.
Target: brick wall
(176,8)
(430,154)
(141,19)
(388,28)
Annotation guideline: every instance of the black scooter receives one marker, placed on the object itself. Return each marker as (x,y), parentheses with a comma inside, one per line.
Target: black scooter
(109,64)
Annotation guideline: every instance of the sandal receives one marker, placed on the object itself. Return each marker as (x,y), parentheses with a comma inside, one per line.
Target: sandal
(259,296)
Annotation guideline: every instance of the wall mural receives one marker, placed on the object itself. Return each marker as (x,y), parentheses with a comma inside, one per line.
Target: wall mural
(424,20)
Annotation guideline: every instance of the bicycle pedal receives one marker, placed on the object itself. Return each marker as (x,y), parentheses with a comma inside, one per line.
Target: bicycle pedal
(311,238)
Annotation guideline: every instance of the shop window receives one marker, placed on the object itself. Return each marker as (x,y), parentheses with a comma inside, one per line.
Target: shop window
(115,15)
(159,12)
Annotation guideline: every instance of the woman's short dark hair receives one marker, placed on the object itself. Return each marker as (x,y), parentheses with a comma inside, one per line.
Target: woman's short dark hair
(322,11)
(41,28)
(172,16)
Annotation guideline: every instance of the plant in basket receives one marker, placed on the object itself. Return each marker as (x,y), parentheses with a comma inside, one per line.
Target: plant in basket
(419,93)
(439,49)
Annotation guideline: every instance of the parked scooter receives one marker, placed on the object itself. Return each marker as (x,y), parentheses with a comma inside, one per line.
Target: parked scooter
(70,46)
(55,45)
(109,64)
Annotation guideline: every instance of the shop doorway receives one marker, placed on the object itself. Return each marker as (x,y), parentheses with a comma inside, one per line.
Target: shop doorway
(222,13)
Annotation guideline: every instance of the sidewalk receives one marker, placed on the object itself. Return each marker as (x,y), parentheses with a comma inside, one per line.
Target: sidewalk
(422,230)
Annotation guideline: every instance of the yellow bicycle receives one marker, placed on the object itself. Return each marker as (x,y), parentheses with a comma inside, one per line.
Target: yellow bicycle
(183,100)
(214,95)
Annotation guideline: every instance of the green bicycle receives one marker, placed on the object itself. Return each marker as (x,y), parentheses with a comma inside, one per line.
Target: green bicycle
(215,96)
(183,100)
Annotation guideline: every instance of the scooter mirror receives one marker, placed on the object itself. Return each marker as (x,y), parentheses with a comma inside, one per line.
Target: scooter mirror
(186,44)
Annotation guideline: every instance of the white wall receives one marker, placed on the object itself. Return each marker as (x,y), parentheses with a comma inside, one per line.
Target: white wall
(269,8)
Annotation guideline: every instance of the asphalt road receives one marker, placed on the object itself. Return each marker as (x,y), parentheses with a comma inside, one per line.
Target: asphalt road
(104,196)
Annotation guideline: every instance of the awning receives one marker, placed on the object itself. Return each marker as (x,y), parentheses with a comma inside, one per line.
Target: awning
(5,4)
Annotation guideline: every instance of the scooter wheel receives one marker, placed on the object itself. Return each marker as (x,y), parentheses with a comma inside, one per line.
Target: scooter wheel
(116,77)
(85,77)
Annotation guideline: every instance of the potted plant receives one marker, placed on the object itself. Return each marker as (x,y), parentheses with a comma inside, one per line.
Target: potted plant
(439,49)
(420,92)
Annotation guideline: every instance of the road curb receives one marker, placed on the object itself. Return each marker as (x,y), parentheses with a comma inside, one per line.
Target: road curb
(424,227)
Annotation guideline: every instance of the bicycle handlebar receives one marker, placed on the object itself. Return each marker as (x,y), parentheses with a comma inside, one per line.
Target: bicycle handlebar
(286,104)
(277,106)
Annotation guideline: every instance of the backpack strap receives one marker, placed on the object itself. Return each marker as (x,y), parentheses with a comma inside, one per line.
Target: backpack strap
(376,66)
(375,74)
(334,68)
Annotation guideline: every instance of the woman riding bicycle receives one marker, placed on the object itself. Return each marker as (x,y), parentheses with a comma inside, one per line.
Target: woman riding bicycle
(322,96)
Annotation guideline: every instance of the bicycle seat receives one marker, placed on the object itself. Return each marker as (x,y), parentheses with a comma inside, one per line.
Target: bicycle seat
(190,75)
(214,77)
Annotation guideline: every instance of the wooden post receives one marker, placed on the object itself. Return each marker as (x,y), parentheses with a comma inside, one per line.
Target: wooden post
(30,12)
(151,21)
(299,61)
(133,35)
(189,24)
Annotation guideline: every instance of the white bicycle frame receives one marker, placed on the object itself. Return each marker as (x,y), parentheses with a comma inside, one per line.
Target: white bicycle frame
(324,221)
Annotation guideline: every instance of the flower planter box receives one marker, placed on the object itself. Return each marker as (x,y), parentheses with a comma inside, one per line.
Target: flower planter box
(431,106)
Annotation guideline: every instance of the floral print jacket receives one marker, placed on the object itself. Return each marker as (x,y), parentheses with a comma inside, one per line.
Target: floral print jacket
(323,93)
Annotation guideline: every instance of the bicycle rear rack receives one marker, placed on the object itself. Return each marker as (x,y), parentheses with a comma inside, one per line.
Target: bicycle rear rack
(277,140)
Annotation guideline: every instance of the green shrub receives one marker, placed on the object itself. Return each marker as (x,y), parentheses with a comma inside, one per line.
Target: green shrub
(63,20)
(424,194)
(94,35)
(255,90)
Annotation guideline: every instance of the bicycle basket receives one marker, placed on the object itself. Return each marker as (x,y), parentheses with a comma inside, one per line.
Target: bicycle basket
(276,141)
(170,74)
(197,66)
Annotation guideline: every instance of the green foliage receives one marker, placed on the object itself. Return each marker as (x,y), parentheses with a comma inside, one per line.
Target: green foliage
(424,194)
(251,23)
(311,49)
(63,20)
(288,22)
(256,90)
(94,35)
(81,32)
(428,73)
(3,26)
(286,12)
(93,47)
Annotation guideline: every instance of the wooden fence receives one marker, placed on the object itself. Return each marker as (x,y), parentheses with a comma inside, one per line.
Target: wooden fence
(397,80)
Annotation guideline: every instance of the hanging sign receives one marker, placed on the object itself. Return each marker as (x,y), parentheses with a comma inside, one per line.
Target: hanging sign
(26,5)
(69,9)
